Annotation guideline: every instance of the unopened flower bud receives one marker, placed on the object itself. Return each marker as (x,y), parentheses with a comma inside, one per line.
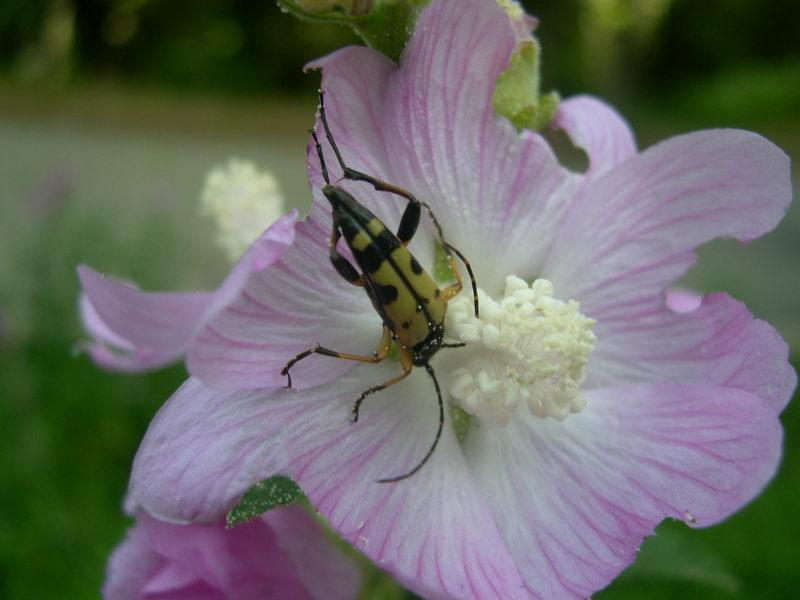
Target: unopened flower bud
(516,95)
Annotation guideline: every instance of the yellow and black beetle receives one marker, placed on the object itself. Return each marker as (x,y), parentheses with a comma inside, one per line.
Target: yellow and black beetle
(408,300)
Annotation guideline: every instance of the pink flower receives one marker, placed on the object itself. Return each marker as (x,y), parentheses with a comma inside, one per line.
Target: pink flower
(282,554)
(591,423)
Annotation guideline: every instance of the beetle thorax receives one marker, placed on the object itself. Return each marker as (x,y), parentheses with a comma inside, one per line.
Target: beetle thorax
(527,349)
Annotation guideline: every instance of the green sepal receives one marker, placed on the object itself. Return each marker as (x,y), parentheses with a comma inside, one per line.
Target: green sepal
(516,94)
(266,495)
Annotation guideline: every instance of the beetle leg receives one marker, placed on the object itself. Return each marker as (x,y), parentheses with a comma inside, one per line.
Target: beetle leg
(382,351)
(405,361)
(453,290)
(340,263)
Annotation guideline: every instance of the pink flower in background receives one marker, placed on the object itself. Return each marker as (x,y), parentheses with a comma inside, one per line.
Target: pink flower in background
(590,423)
(282,554)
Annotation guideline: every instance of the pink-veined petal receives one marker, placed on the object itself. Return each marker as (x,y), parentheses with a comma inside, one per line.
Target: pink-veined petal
(131,566)
(599,130)
(135,330)
(297,303)
(633,231)
(682,301)
(325,571)
(433,532)
(495,191)
(173,562)
(718,343)
(574,500)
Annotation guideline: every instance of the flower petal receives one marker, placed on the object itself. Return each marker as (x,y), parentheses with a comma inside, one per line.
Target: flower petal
(599,130)
(633,231)
(682,301)
(205,448)
(130,567)
(325,571)
(161,559)
(298,302)
(595,485)
(134,330)
(718,343)
(495,191)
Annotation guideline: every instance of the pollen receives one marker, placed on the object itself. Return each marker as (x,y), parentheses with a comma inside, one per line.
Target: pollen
(528,348)
(243,201)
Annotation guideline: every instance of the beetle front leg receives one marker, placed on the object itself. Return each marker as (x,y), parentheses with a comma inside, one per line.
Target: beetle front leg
(382,351)
(340,263)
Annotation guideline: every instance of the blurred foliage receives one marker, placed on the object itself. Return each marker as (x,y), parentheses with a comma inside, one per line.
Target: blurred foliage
(617,48)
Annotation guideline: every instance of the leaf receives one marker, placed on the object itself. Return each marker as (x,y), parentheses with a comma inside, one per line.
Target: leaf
(266,495)
(671,555)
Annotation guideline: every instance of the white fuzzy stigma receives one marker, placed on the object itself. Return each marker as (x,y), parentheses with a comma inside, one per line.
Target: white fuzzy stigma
(244,201)
(528,348)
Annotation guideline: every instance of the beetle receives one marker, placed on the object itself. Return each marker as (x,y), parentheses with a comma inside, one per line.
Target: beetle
(410,304)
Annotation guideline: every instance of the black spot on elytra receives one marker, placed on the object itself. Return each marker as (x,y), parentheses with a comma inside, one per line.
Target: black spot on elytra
(386,294)
(387,241)
(370,258)
(406,324)
(437,293)
(415,266)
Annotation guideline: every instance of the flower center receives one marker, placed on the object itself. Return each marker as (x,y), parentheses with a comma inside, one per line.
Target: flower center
(528,348)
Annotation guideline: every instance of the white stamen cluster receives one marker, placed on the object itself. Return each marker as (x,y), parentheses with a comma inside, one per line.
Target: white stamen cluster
(244,202)
(528,348)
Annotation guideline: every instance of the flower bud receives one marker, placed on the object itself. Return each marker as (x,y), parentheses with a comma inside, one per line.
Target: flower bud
(516,95)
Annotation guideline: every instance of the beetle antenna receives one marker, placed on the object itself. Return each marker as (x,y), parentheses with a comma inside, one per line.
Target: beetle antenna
(429,369)
(328,133)
(321,158)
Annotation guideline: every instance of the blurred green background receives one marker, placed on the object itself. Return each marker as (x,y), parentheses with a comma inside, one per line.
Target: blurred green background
(112,111)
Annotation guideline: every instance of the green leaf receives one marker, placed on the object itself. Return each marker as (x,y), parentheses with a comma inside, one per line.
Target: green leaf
(672,555)
(266,495)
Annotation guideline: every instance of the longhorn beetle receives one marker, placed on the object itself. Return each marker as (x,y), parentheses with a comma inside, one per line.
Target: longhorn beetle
(407,299)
